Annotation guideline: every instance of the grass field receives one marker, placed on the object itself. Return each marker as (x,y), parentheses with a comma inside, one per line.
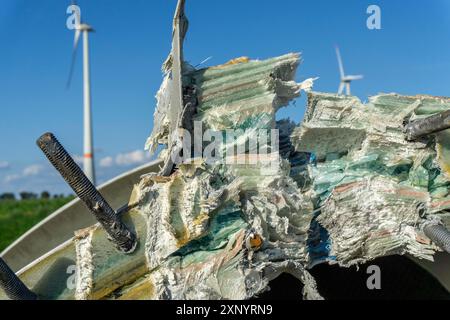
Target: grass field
(17,217)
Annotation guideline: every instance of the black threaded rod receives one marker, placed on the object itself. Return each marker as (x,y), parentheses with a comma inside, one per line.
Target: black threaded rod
(432,124)
(14,288)
(439,235)
(119,234)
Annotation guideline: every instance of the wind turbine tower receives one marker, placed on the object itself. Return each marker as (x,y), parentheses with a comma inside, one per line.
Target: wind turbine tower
(88,157)
(345,80)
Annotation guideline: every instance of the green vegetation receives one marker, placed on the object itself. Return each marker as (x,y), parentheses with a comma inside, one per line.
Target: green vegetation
(17,217)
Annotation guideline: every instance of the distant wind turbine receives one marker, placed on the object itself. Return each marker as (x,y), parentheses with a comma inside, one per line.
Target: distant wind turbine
(88,158)
(345,80)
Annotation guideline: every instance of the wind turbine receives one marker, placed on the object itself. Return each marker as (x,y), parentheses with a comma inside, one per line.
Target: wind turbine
(345,80)
(88,156)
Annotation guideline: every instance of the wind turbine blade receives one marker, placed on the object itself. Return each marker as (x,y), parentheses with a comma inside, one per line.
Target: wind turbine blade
(341,88)
(357,77)
(76,38)
(341,65)
(74,3)
(74,57)
(204,61)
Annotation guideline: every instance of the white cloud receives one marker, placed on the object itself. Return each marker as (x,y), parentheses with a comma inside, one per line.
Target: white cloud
(134,157)
(37,177)
(32,170)
(106,162)
(125,159)
(11,178)
(27,172)
(4,165)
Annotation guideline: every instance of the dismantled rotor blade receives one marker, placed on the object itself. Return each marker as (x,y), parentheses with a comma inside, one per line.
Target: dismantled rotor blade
(118,232)
(432,124)
(14,288)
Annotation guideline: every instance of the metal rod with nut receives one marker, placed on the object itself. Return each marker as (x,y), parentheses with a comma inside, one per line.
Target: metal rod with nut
(124,239)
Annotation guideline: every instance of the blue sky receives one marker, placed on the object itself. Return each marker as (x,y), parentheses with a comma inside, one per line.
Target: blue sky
(409,55)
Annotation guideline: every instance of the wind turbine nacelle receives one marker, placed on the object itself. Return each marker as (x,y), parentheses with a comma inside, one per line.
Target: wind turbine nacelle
(84,27)
(351,78)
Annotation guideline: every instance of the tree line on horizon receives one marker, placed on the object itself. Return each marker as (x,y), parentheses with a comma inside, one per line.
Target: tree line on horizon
(25,195)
